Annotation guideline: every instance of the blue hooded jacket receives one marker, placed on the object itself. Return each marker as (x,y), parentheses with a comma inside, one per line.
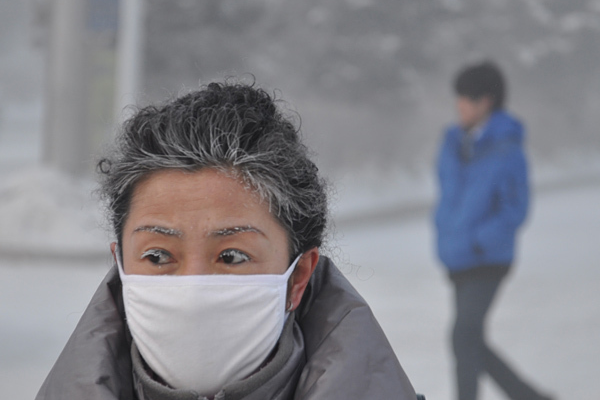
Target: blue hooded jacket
(483,199)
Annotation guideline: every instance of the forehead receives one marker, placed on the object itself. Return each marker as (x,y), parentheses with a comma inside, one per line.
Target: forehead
(472,101)
(466,99)
(206,194)
(201,183)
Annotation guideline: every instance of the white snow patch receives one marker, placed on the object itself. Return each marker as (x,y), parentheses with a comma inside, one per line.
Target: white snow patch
(373,189)
(45,211)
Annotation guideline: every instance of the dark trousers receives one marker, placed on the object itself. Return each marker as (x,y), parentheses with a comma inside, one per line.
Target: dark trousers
(474,294)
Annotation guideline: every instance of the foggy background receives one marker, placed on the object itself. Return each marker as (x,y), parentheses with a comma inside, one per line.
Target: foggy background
(371,83)
(370,79)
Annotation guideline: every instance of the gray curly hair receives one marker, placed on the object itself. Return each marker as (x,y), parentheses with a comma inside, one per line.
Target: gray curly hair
(233,127)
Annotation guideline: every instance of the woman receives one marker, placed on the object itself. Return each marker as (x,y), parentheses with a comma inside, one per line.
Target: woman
(218,289)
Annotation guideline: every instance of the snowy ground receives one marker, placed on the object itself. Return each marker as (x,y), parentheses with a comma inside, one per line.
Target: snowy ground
(546,320)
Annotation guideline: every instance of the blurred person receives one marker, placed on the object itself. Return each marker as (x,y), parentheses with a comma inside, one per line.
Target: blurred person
(218,289)
(484,195)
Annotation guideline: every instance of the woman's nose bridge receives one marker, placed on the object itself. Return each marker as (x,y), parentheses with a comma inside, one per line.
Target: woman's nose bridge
(196,265)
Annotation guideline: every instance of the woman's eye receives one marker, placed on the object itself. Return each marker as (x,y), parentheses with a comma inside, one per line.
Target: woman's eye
(156,256)
(233,257)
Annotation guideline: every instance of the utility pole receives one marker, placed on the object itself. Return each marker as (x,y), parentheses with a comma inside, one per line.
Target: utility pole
(129,56)
(65,136)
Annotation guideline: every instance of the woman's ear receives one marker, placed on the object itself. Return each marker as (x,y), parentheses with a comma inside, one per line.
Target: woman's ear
(113,250)
(304,270)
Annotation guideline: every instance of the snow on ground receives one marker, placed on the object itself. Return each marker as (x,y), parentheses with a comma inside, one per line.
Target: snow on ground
(44,211)
(546,320)
(40,304)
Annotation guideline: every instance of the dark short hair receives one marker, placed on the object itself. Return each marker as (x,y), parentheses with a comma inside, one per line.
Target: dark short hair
(482,79)
(231,127)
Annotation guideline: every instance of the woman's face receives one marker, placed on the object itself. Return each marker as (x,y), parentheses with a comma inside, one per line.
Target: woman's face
(204,222)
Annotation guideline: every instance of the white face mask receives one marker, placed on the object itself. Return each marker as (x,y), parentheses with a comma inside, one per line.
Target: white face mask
(202,332)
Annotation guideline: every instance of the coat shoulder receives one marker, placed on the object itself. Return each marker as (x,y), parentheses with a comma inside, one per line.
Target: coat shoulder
(348,354)
(95,362)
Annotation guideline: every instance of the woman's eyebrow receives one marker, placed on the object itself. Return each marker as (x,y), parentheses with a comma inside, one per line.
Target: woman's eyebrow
(234,230)
(160,230)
